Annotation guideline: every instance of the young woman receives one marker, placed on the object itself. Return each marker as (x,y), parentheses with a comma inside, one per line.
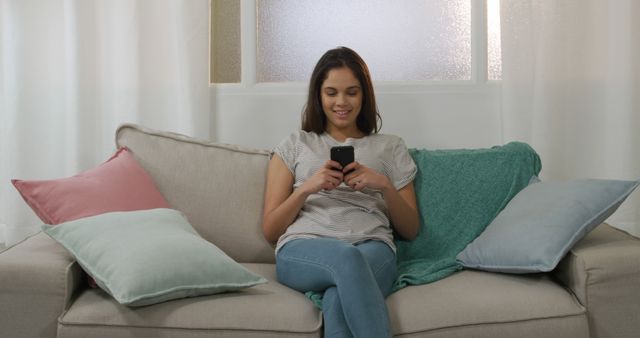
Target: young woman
(334,226)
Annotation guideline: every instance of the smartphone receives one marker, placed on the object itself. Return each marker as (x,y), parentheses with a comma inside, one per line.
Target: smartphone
(343,155)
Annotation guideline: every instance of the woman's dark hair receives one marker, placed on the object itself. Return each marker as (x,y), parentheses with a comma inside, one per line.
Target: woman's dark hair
(313,117)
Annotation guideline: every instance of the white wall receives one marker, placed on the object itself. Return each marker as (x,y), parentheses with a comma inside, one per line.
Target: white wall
(425,115)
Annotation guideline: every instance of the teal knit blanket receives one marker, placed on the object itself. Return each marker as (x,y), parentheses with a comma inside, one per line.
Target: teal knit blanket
(459,192)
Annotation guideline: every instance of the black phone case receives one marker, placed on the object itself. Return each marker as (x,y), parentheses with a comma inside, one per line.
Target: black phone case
(342,154)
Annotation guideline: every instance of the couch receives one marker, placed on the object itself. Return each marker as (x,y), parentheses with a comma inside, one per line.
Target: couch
(594,291)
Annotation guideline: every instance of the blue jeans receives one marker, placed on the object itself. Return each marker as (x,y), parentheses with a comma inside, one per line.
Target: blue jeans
(355,280)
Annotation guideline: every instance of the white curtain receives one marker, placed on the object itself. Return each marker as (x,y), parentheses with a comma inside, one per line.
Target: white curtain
(72,71)
(571,88)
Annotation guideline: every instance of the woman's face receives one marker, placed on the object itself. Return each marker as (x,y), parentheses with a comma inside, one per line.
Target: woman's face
(341,95)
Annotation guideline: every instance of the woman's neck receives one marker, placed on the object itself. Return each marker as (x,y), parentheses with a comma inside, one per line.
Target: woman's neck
(342,135)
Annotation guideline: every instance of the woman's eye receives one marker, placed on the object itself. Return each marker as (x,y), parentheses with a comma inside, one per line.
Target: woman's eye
(331,93)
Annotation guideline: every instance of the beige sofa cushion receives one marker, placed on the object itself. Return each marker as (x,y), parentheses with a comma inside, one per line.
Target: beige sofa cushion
(267,310)
(483,304)
(218,187)
(466,304)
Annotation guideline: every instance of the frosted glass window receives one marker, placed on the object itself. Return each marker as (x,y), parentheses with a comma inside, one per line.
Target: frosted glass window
(494,56)
(225,41)
(400,40)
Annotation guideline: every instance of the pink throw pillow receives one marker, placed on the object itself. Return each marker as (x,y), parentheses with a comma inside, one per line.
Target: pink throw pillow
(119,184)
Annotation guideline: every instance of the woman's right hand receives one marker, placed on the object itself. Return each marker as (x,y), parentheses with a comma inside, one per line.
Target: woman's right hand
(326,178)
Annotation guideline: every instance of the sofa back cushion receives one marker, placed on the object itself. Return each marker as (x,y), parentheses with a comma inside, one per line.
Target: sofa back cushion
(218,187)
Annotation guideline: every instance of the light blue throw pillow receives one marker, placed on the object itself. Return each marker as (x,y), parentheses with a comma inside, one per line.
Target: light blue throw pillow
(541,224)
(149,256)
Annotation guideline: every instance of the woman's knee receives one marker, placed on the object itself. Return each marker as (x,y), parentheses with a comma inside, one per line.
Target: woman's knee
(306,265)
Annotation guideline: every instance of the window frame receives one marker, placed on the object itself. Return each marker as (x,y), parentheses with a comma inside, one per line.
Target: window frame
(248,65)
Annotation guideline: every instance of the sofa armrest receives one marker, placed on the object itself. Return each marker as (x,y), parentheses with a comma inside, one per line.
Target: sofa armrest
(37,280)
(603,271)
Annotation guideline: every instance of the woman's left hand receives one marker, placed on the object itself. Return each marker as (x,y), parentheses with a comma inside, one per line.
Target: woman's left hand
(361,177)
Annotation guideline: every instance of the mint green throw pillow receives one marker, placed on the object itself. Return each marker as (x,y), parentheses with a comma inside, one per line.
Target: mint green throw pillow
(149,256)
(541,224)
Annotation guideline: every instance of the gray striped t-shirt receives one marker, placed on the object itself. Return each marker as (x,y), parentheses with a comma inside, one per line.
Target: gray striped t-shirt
(344,213)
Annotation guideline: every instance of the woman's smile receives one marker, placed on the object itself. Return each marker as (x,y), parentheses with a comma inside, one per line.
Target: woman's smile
(342,113)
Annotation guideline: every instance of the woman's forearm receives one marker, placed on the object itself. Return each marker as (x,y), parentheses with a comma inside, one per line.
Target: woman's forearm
(403,216)
(276,222)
